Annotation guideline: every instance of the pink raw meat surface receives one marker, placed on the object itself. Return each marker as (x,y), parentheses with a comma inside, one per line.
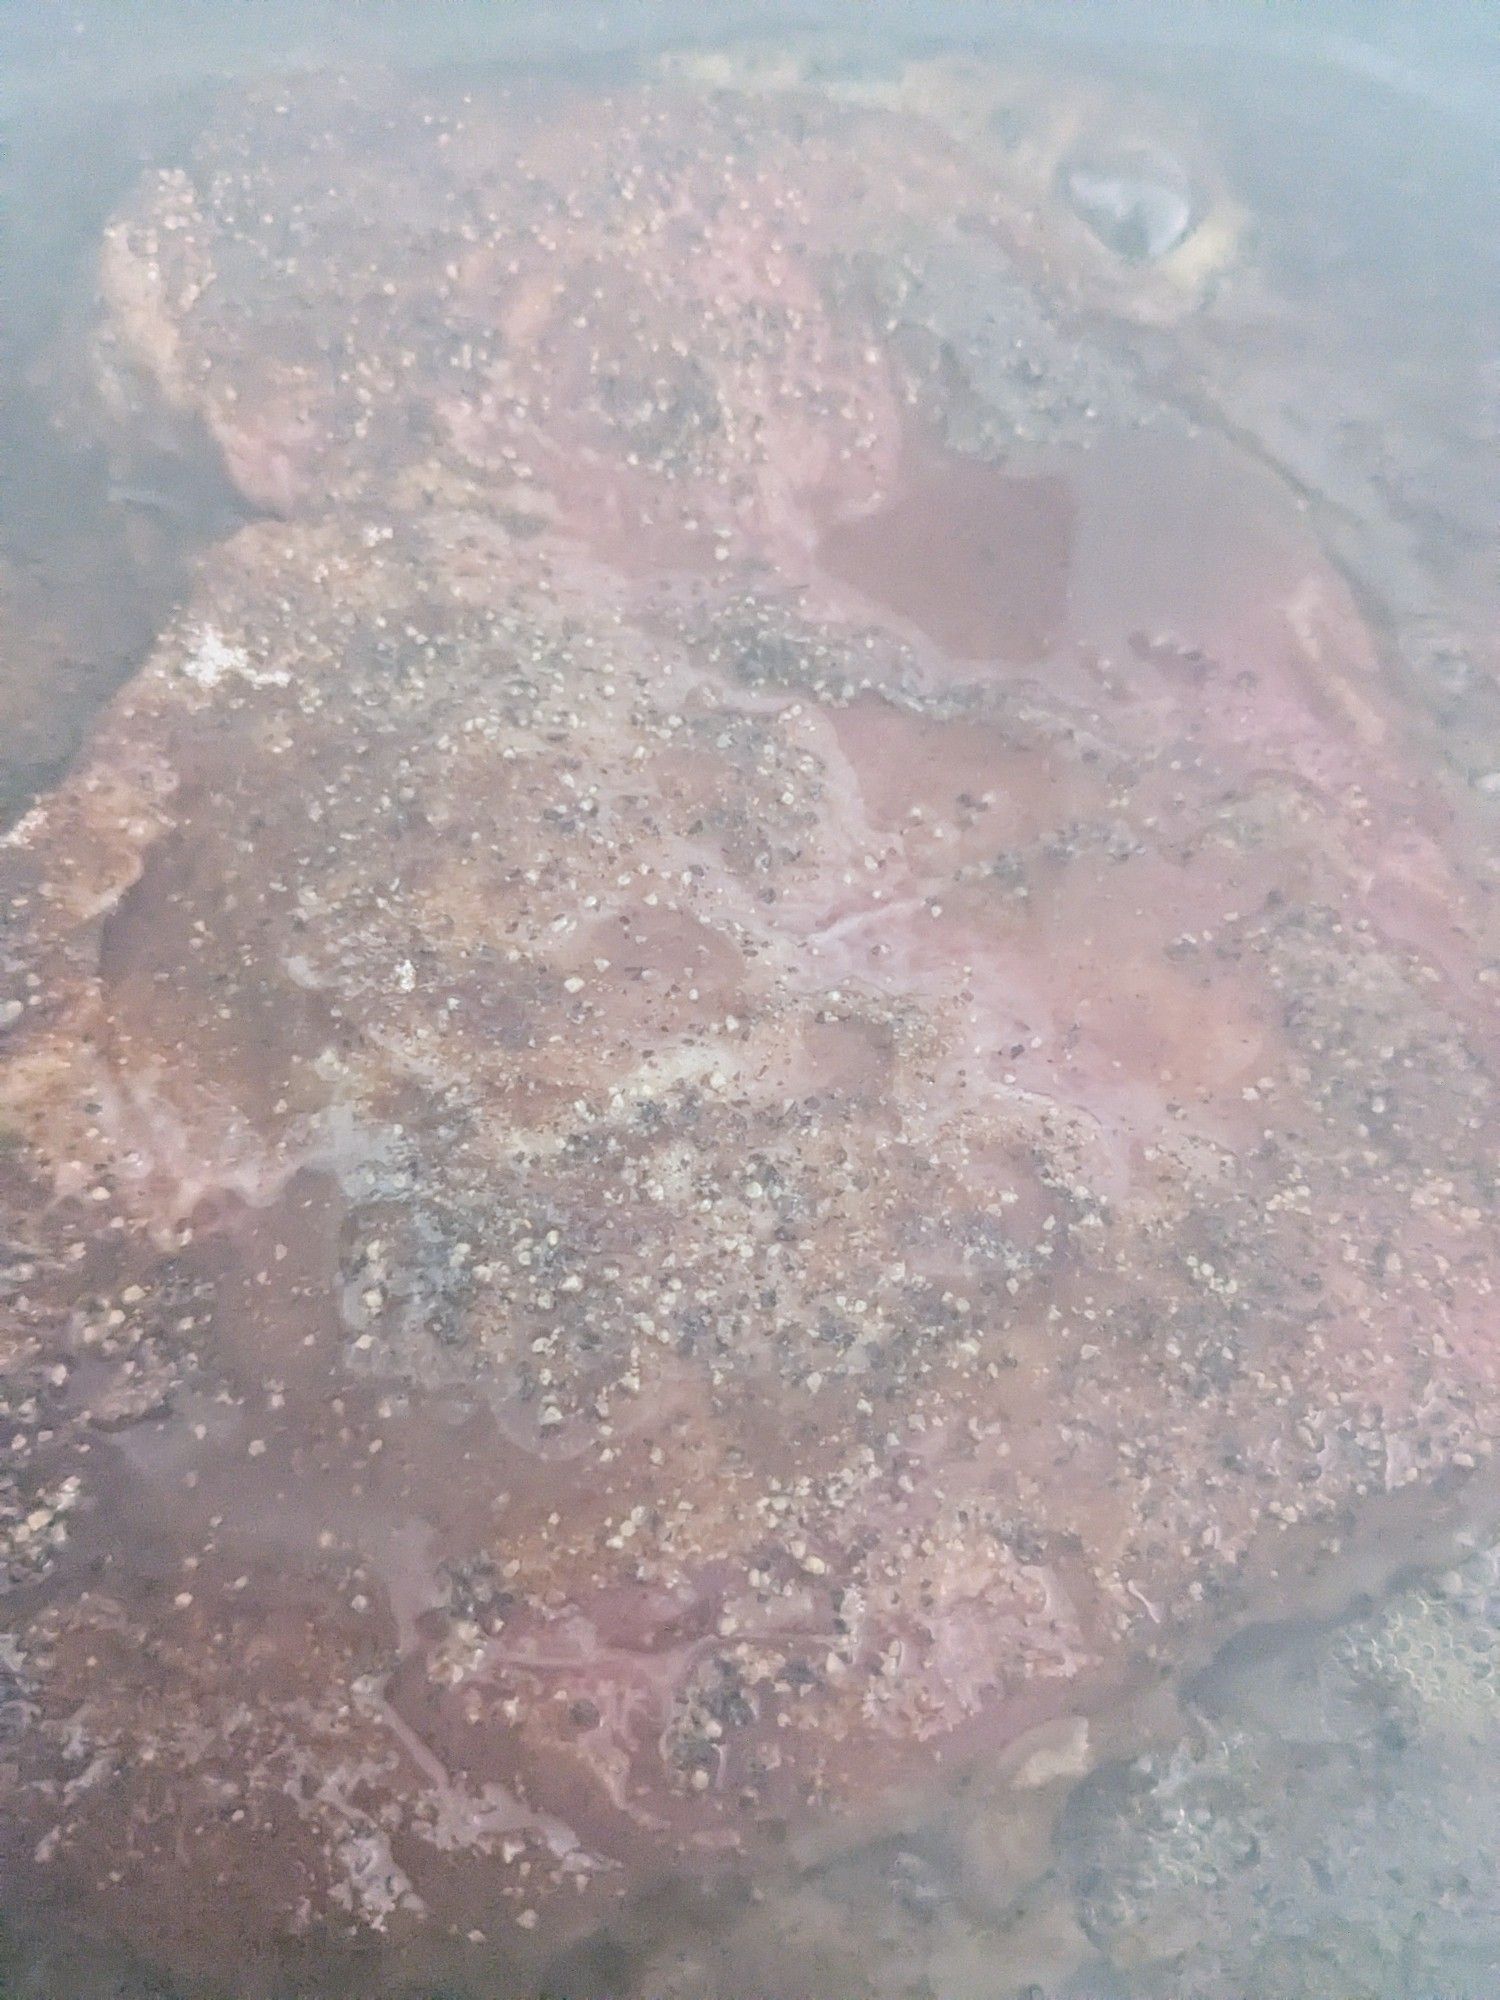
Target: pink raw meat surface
(687,1124)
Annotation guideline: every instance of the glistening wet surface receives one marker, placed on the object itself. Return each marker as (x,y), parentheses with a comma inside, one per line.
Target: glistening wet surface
(973,556)
(749,1088)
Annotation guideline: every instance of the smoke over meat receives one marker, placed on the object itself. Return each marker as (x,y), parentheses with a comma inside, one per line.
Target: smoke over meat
(754,1040)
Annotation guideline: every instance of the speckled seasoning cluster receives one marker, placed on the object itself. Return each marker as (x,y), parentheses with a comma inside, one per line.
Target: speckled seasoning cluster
(757,1041)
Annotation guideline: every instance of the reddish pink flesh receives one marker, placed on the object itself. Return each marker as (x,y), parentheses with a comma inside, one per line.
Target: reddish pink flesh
(1011,1087)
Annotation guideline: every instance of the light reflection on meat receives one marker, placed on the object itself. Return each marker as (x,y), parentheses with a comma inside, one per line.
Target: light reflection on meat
(662,1171)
